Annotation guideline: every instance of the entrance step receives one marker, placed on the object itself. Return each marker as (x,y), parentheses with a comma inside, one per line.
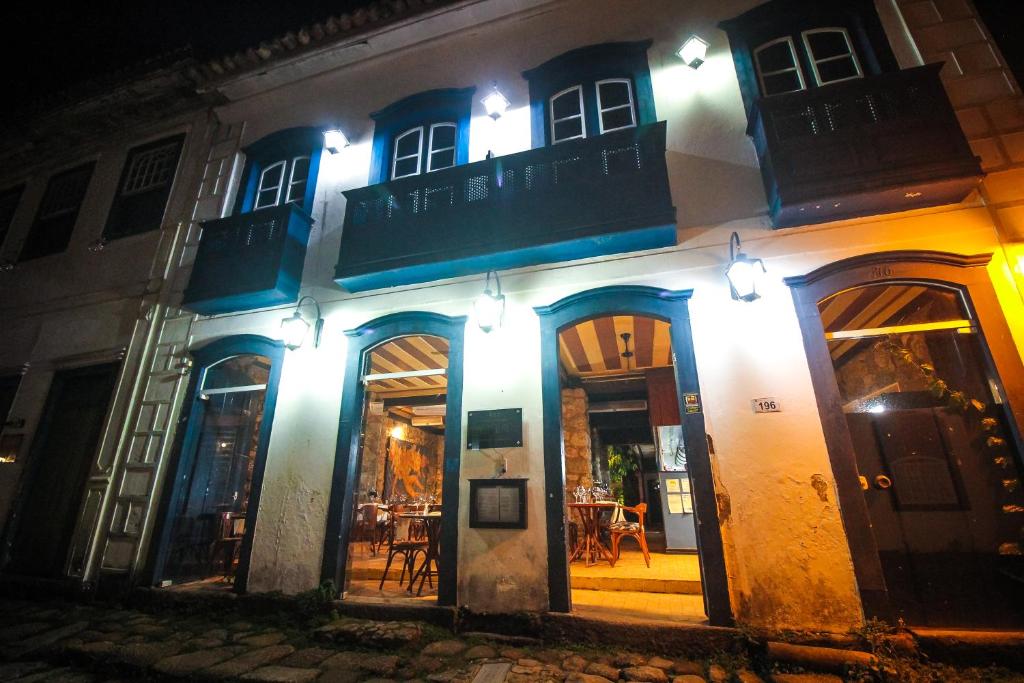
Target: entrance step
(636,584)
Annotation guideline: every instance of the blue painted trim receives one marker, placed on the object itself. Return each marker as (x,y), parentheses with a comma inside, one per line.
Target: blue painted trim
(585,66)
(669,306)
(184,453)
(421,109)
(655,237)
(347,459)
(283,144)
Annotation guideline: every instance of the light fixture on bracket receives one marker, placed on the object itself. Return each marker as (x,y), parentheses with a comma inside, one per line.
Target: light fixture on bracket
(335,140)
(744,273)
(295,327)
(495,103)
(693,52)
(490,305)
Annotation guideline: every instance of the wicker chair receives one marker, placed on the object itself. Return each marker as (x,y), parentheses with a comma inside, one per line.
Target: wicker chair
(632,530)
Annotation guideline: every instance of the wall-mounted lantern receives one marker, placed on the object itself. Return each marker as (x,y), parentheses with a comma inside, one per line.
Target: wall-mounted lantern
(495,104)
(490,305)
(744,273)
(693,52)
(335,140)
(295,327)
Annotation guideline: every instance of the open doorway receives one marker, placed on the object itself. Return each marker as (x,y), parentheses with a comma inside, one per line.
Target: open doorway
(629,502)
(394,544)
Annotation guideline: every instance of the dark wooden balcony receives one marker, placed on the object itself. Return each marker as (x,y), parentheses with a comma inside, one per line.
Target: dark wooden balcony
(873,145)
(602,195)
(249,261)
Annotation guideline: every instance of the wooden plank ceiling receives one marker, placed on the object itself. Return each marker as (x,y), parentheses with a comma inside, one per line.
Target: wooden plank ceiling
(405,354)
(880,306)
(594,348)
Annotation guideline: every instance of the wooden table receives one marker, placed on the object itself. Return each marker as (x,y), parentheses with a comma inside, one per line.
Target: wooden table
(432,520)
(590,546)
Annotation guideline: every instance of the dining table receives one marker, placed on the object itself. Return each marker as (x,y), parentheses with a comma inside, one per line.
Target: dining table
(429,569)
(590,546)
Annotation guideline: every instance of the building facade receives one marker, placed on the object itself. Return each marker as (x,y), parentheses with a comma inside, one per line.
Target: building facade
(842,443)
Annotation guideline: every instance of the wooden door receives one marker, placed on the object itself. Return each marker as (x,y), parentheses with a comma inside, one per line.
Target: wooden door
(62,453)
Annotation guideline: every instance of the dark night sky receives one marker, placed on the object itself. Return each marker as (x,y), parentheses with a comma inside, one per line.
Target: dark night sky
(48,46)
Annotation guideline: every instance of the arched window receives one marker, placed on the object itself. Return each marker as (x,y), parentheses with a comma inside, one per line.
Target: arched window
(281,169)
(778,70)
(615,108)
(567,119)
(831,55)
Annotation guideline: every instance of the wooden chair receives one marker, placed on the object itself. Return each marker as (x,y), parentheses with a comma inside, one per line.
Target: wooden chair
(631,529)
(408,548)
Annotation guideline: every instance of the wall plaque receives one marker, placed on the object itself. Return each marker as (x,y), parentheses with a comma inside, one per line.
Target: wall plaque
(494,428)
(497,503)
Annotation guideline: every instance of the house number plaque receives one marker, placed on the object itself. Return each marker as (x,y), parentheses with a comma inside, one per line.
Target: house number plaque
(768,404)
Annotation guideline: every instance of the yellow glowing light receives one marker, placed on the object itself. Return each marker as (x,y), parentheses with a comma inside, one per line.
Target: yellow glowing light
(398,432)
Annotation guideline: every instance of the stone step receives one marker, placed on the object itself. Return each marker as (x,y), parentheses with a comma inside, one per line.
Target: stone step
(638,585)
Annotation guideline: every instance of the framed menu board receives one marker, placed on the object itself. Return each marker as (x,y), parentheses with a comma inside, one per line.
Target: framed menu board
(497,503)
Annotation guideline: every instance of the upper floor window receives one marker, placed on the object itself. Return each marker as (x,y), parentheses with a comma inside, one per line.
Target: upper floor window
(784,46)
(567,121)
(58,211)
(831,55)
(421,133)
(9,200)
(281,168)
(283,182)
(615,108)
(145,185)
(591,91)
(777,67)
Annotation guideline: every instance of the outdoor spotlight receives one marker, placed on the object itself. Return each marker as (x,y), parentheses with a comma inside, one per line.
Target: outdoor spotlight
(335,140)
(693,52)
(495,103)
(744,273)
(490,306)
(295,327)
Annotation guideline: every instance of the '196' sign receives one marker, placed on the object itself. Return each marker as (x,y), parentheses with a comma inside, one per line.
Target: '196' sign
(766,405)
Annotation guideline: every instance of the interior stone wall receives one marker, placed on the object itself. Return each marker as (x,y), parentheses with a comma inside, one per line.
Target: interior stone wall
(375,438)
(575,438)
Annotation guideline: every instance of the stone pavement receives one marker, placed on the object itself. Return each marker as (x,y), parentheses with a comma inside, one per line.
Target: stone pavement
(96,643)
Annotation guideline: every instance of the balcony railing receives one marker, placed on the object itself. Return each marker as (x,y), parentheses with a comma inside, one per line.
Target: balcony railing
(602,195)
(248,261)
(878,144)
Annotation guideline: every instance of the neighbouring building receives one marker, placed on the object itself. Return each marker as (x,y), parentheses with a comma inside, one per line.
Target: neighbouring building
(706,311)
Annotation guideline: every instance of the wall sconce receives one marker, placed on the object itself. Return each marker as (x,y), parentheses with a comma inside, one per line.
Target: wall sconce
(295,327)
(744,273)
(495,103)
(693,52)
(335,140)
(490,306)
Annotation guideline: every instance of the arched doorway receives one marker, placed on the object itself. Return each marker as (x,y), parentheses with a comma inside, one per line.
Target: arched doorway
(919,391)
(395,491)
(208,520)
(646,304)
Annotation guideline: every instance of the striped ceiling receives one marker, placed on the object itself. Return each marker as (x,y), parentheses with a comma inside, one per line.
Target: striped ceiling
(409,353)
(880,306)
(595,347)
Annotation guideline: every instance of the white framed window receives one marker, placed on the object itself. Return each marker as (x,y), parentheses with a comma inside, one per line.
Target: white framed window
(441,146)
(567,122)
(778,70)
(151,169)
(271,181)
(297,180)
(615,110)
(407,156)
(831,55)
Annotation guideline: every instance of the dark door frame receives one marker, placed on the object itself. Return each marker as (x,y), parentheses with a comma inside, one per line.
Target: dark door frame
(187,438)
(347,459)
(31,473)
(671,307)
(966,274)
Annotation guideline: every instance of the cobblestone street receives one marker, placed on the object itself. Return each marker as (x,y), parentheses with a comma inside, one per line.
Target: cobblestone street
(96,643)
